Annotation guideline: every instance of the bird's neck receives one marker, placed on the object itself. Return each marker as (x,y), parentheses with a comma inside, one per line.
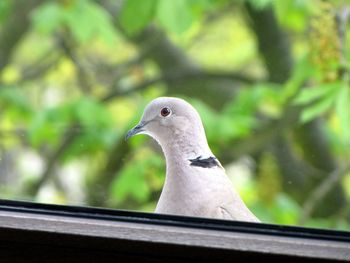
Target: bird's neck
(181,149)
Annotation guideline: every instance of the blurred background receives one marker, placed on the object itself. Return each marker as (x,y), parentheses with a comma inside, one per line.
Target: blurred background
(270,79)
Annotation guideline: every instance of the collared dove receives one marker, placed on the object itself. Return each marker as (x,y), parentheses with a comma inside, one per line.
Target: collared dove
(195,183)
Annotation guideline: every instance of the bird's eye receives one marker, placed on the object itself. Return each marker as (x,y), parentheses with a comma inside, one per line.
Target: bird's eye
(165,112)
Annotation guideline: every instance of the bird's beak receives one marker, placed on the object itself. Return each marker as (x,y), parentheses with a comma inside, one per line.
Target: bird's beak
(137,129)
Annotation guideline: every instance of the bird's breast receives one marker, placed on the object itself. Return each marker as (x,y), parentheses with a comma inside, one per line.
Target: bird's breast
(193,191)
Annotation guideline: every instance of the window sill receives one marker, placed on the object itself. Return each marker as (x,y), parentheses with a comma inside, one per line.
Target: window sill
(56,233)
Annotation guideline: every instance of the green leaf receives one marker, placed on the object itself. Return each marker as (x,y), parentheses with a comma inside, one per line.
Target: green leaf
(131,182)
(89,142)
(96,131)
(136,14)
(308,95)
(245,103)
(342,108)
(285,210)
(47,126)
(317,109)
(198,7)
(175,16)
(47,17)
(86,116)
(79,23)
(14,97)
(302,71)
(248,101)
(260,4)
(87,20)
(5,9)
(84,19)
(91,113)
(293,13)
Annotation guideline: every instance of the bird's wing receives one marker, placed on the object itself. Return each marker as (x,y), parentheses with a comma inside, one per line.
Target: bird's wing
(240,214)
(230,205)
(234,208)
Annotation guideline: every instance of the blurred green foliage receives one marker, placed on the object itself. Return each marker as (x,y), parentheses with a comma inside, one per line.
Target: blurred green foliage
(78,77)
(83,19)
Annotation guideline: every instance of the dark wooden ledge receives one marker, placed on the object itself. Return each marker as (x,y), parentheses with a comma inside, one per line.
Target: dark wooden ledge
(32,232)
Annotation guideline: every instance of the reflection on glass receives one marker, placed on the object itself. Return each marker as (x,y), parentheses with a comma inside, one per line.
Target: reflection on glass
(269,79)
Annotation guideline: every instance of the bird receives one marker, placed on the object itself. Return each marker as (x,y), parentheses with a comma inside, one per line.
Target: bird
(195,182)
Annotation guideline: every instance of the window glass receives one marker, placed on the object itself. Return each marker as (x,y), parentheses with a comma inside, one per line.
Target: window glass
(270,80)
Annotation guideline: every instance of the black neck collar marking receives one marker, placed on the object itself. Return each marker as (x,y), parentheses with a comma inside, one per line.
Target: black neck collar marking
(204,162)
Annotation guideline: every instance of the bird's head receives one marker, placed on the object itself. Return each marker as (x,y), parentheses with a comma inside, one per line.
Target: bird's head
(167,118)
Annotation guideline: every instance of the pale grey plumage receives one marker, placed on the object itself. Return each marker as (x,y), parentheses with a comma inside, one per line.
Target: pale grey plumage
(188,189)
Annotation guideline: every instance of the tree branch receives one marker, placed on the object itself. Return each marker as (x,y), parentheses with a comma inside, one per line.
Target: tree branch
(112,73)
(15,27)
(343,17)
(68,48)
(171,60)
(263,136)
(38,68)
(183,77)
(275,49)
(138,87)
(48,172)
(273,43)
(98,188)
(319,193)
